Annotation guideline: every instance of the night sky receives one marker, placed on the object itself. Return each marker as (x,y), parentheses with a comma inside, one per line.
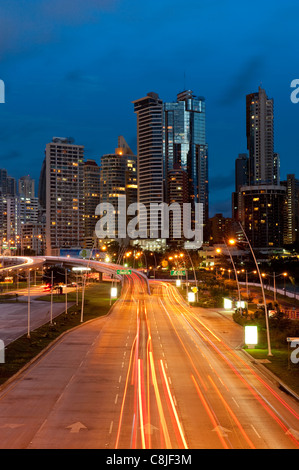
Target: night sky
(73,68)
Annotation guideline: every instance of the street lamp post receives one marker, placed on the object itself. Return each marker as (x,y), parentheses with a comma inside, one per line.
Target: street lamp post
(195,278)
(274,282)
(65,290)
(263,291)
(236,274)
(77,291)
(83,292)
(247,293)
(51,307)
(28,313)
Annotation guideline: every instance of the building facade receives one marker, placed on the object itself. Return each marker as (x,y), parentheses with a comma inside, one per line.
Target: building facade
(262,215)
(149,111)
(118,179)
(185,147)
(263,161)
(291,210)
(64,195)
(91,199)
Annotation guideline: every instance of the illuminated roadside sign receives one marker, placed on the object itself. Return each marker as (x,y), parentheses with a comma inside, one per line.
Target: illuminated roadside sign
(251,335)
(124,271)
(227,304)
(178,273)
(191,297)
(113,292)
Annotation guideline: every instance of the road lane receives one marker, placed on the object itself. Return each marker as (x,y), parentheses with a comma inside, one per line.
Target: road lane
(271,416)
(152,374)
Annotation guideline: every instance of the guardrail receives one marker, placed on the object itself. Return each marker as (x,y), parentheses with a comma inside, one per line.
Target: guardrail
(285,292)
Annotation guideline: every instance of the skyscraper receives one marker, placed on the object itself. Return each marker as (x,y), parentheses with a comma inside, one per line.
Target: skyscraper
(185,147)
(118,178)
(91,199)
(177,192)
(259,203)
(241,171)
(262,215)
(149,112)
(241,179)
(260,139)
(64,195)
(291,210)
(7,184)
(26,186)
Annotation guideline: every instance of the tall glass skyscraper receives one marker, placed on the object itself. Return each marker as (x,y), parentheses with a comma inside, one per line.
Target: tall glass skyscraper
(185,147)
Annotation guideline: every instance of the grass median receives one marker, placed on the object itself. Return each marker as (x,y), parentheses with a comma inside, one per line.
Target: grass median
(23,350)
(280,364)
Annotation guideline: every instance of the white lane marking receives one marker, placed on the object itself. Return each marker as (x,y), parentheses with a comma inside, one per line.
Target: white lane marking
(111,426)
(116,398)
(236,402)
(255,431)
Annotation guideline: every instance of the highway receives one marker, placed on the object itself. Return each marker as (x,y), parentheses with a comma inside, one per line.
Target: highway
(154,373)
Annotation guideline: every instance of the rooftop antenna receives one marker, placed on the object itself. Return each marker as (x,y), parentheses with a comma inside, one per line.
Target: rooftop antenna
(184,81)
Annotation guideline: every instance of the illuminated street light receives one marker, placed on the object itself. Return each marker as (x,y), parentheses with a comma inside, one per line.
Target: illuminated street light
(263,291)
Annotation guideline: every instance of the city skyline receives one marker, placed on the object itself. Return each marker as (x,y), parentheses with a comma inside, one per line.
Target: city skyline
(149,227)
(228,183)
(67,99)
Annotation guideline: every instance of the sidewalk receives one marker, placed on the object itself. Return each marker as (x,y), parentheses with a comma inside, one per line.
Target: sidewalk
(221,322)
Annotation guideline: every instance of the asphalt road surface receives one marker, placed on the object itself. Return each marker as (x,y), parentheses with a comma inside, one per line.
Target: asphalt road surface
(154,373)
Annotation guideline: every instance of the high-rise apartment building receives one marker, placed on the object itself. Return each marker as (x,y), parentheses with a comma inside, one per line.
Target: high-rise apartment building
(8,185)
(241,171)
(241,179)
(291,210)
(149,111)
(91,199)
(64,195)
(29,209)
(118,179)
(10,223)
(259,203)
(262,215)
(177,193)
(263,162)
(26,187)
(33,239)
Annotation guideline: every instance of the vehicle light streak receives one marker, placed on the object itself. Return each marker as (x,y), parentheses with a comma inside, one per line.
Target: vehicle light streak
(125,394)
(232,414)
(178,423)
(159,403)
(184,347)
(210,414)
(266,405)
(140,403)
(262,400)
(264,383)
